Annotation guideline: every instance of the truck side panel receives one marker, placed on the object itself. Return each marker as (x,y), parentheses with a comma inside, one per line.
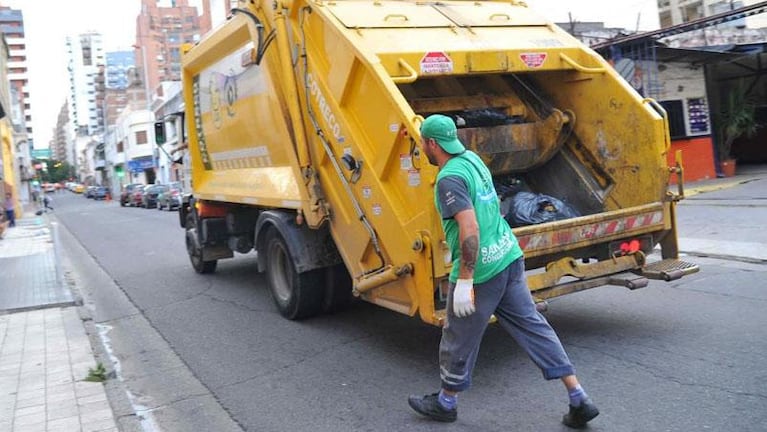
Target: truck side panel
(243,144)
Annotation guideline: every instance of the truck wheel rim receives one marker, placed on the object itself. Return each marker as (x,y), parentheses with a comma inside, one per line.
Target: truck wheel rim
(279,268)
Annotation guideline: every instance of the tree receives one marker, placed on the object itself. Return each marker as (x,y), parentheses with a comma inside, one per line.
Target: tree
(56,171)
(737,118)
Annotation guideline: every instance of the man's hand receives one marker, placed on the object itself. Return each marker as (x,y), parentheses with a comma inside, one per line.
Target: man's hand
(463,298)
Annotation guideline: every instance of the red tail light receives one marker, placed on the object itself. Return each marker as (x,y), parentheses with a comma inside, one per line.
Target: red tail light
(631,246)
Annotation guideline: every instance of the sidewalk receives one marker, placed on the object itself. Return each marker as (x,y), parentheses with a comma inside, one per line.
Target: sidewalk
(745,173)
(45,352)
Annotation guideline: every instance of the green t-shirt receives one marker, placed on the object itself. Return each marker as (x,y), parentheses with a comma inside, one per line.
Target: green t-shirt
(465,182)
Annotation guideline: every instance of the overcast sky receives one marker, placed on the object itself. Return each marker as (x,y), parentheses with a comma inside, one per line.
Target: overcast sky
(48,22)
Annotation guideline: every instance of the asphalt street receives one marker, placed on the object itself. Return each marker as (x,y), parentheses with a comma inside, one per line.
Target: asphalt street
(210,352)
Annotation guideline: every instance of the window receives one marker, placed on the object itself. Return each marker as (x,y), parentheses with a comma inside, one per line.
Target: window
(120,147)
(141,137)
(675,111)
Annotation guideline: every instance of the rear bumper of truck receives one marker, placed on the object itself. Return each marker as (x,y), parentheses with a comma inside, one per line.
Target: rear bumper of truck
(587,252)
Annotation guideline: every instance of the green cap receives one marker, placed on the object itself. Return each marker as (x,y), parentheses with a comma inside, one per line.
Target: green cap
(442,129)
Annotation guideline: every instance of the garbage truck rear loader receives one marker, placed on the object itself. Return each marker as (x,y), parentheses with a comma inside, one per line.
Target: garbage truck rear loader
(304,118)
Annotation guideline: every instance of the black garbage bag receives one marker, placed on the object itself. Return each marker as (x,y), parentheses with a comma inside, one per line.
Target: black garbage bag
(484,118)
(529,208)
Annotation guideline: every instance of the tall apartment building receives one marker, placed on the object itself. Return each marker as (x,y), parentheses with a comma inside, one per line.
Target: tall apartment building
(87,68)
(160,32)
(60,140)
(119,65)
(120,75)
(12,27)
(673,12)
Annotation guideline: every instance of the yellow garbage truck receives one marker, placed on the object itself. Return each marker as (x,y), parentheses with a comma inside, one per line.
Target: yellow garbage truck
(303,129)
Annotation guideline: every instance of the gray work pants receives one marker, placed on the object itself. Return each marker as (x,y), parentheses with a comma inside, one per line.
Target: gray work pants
(507,296)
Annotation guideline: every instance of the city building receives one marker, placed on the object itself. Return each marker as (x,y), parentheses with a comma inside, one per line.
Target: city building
(691,69)
(9,172)
(119,65)
(86,66)
(160,32)
(129,150)
(675,12)
(61,137)
(170,113)
(12,27)
(138,84)
(120,77)
(17,103)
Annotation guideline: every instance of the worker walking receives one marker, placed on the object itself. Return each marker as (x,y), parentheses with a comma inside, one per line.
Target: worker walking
(488,277)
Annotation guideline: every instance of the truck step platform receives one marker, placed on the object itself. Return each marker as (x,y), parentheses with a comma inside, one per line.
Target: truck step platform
(668,269)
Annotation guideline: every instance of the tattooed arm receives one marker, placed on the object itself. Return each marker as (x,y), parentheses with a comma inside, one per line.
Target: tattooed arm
(469,239)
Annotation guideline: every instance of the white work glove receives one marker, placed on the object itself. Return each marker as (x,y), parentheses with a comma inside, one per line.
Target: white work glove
(463,298)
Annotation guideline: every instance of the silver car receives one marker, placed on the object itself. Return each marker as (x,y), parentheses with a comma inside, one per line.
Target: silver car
(170,199)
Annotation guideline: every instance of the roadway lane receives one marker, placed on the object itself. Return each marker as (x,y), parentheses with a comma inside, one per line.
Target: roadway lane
(683,356)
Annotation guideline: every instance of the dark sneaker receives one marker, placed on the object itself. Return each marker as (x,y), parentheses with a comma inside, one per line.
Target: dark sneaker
(580,415)
(430,407)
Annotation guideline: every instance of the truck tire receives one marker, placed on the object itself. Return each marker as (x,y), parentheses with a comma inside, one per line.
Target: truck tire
(296,295)
(338,289)
(194,249)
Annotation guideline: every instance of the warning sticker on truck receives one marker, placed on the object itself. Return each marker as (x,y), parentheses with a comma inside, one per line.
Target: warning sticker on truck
(405,162)
(436,62)
(533,60)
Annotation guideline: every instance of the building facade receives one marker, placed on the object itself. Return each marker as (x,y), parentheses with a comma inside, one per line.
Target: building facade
(674,12)
(170,111)
(9,169)
(160,32)
(61,137)
(129,150)
(12,27)
(86,66)
(17,111)
(119,65)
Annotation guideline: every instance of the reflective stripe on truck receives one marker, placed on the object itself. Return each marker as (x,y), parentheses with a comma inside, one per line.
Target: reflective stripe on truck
(588,230)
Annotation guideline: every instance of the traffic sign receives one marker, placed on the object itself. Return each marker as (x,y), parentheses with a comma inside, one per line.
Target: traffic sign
(41,153)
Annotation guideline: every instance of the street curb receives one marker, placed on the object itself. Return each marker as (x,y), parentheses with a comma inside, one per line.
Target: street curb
(76,302)
(719,184)
(115,390)
(725,257)
(688,192)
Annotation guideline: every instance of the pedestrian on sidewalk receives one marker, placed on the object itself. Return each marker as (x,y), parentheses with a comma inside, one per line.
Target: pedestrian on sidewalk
(488,277)
(10,209)
(47,201)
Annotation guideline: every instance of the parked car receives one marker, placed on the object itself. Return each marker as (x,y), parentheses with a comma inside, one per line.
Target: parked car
(137,196)
(149,198)
(127,193)
(171,198)
(101,193)
(89,191)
